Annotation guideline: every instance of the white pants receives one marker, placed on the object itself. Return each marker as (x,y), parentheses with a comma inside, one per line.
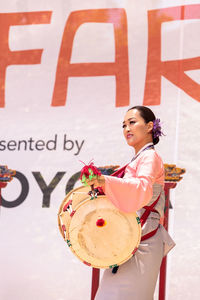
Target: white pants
(135,279)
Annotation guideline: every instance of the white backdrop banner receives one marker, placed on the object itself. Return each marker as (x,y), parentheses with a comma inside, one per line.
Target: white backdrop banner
(69,70)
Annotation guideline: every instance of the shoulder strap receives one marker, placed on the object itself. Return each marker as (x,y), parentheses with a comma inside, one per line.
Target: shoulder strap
(120,173)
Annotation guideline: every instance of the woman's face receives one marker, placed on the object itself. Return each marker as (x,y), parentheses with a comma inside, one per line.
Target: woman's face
(136,132)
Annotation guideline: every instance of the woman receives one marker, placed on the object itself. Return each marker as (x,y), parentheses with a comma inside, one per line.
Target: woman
(142,185)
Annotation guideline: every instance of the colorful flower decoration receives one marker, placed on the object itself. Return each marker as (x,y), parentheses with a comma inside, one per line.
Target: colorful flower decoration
(89,172)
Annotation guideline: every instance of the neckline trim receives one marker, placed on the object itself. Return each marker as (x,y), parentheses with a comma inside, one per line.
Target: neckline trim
(145,147)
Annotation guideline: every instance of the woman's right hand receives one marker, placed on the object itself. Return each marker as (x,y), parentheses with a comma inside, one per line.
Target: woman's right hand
(97,182)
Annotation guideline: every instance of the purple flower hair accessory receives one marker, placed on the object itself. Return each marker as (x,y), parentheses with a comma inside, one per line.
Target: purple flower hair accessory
(157,128)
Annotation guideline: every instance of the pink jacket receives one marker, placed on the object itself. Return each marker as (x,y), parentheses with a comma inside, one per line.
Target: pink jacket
(135,189)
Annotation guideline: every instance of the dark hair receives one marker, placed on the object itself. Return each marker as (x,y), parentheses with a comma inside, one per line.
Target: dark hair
(147,114)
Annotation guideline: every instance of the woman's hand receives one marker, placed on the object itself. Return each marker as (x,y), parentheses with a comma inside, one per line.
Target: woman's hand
(99,181)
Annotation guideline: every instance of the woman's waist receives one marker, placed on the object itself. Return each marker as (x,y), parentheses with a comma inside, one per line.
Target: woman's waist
(151,223)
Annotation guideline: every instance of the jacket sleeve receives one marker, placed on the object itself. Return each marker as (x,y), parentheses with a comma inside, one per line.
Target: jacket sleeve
(132,193)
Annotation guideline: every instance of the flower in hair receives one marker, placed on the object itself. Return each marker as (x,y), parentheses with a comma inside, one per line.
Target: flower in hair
(157,128)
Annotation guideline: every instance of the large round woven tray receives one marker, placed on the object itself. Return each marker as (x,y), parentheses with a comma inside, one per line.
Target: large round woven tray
(98,233)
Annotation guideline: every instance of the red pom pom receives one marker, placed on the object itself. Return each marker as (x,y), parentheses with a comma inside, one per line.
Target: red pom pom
(100,222)
(85,171)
